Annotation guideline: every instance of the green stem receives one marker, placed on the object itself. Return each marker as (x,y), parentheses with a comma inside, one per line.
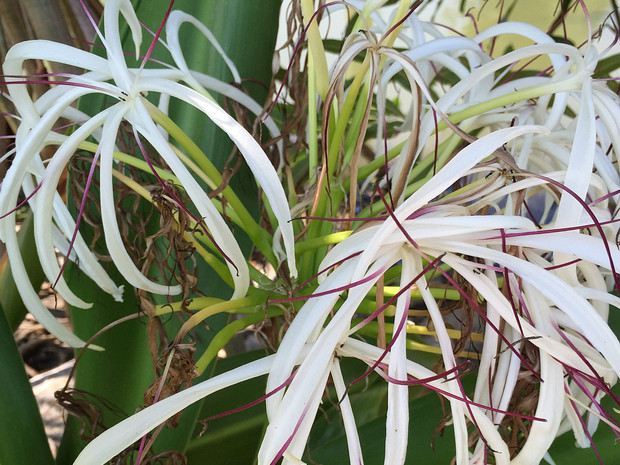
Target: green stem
(507,100)
(313,142)
(226,334)
(321,241)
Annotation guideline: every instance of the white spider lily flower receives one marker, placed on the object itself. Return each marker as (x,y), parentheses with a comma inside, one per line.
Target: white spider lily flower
(111,76)
(286,411)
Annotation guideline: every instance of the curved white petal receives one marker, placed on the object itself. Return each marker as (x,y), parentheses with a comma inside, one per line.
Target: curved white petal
(397,422)
(114,440)
(175,20)
(44,209)
(114,242)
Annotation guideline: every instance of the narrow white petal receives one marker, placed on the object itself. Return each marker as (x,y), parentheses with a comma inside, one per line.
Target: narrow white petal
(114,242)
(49,51)
(550,400)
(581,160)
(114,440)
(114,49)
(397,423)
(458,409)
(30,138)
(30,297)
(44,208)
(353,439)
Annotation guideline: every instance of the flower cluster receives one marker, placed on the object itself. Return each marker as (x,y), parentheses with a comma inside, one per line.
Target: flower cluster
(497,186)
(55,229)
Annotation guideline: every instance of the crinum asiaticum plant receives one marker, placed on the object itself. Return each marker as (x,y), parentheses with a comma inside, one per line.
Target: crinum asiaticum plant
(443,201)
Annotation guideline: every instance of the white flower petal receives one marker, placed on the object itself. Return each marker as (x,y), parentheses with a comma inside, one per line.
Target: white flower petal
(175,20)
(353,439)
(114,440)
(397,423)
(44,208)
(114,242)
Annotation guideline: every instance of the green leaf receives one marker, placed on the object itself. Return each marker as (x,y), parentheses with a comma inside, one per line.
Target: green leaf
(232,439)
(23,438)
(117,376)
(606,66)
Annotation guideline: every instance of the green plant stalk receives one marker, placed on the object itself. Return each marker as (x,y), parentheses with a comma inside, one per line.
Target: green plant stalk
(356,121)
(24,441)
(321,241)
(313,142)
(436,292)
(315,46)
(343,120)
(196,304)
(374,165)
(227,333)
(424,331)
(316,229)
(508,99)
(231,306)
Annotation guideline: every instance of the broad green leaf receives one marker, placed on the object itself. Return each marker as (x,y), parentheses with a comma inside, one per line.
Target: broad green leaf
(232,439)
(23,438)
(121,373)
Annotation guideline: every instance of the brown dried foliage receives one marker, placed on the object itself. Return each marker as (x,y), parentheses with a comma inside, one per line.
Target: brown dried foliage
(524,401)
(88,409)
(179,375)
